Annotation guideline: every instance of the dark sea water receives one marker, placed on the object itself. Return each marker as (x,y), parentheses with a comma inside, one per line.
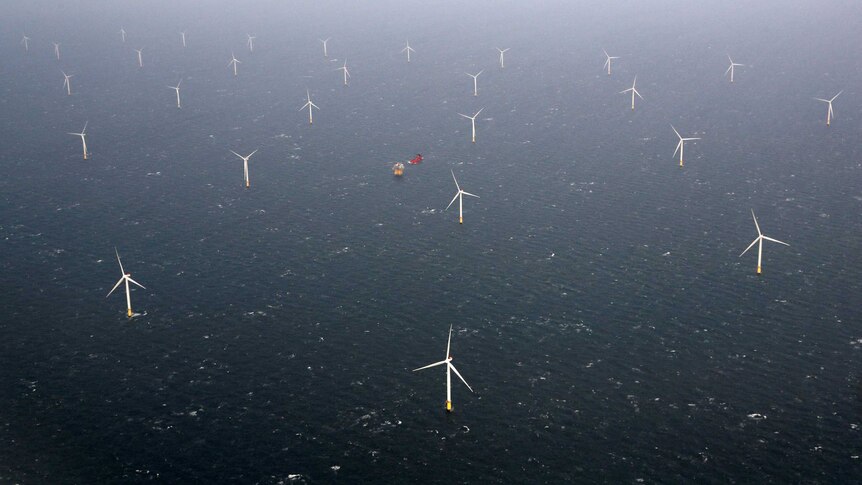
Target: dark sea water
(601,312)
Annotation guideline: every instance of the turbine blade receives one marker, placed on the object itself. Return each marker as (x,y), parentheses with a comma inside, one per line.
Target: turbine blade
(115,287)
(453,200)
(252,153)
(449,342)
(456,180)
(135,282)
(477,113)
(460,376)
(471,195)
(118,260)
(839,94)
(677,147)
(775,240)
(755,223)
(677,133)
(432,365)
(235,153)
(750,246)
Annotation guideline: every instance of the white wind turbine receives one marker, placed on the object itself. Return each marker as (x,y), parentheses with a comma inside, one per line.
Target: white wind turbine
(346,72)
(608,61)
(66,83)
(408,50)
(140,57)
(829,113)
(732,65)
(250,42)
(123,34)
(325,53)
(309,105)
(475,81)
(472,122)
(449,369)
(502,57)
(460,196)
(126,278)
(83,135)
(759,241)
(177,89)
(245,165)
(234,61)
(680,147)
(56,50)
(25,41)
(634,91)
(183,36)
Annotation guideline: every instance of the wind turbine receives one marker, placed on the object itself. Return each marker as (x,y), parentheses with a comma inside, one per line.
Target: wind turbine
(634,91)
(309,105)
(325,54)
(608,61)
(250,42)
(502,57)
(449,369)
(140,58)
(473,122)
(66,83)
(475,81)
(83,135)
(126,278)
(56,50)
(234,61)
(123,34)
(244,165)
(183,35)
(25,41)
(177,89)
(759,242)
(408,50)
(680,147)
(460,196)
(829,113)
(346,72)
(730,69)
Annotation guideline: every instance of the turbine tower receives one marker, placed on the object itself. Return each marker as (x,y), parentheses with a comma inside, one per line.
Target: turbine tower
(829,113)
(325,53)
(309,105)
(346,72)
(472,122)
(475,81)
(502,57)
(759,241)
(245,165)
(25,41)
(449,369)
(66,83)
(408,50)
(83,135)
(460,196)
(730,69)
(634,92)
(680,147)
(56,50)
(126,278)
(234,61)
(608,61)
(250,42)
(177,89)
(140,57)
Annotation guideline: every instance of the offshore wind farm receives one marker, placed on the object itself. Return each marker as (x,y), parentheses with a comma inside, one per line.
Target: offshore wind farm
(601,298)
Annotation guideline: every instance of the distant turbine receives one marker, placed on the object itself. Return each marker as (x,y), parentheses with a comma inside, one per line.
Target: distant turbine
(680,147)
(634,91)
(408,50)
(759,242)
(449,369)
(460,196)
(502,57)
(309,105)
(473,122)
(83,135)
(183,35)
(67,84)
(325,54)
(608,61)
(346,72)
(177,89)
(475,81)
(244,165)
(56,50)
(829,113)
(730,69)
(140,58)
(234,61)
(123,34)
(25,41)
(126,278)
(250,42)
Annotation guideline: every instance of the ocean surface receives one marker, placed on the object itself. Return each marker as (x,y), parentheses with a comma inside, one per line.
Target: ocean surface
(600,309)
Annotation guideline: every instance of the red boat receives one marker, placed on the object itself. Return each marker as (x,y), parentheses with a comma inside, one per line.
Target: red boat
(416,160)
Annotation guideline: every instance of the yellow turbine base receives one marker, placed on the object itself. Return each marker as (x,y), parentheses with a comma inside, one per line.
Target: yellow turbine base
(129,313)
(758,270)
(460,220)
(680,163)
(448,406)
(246,185)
